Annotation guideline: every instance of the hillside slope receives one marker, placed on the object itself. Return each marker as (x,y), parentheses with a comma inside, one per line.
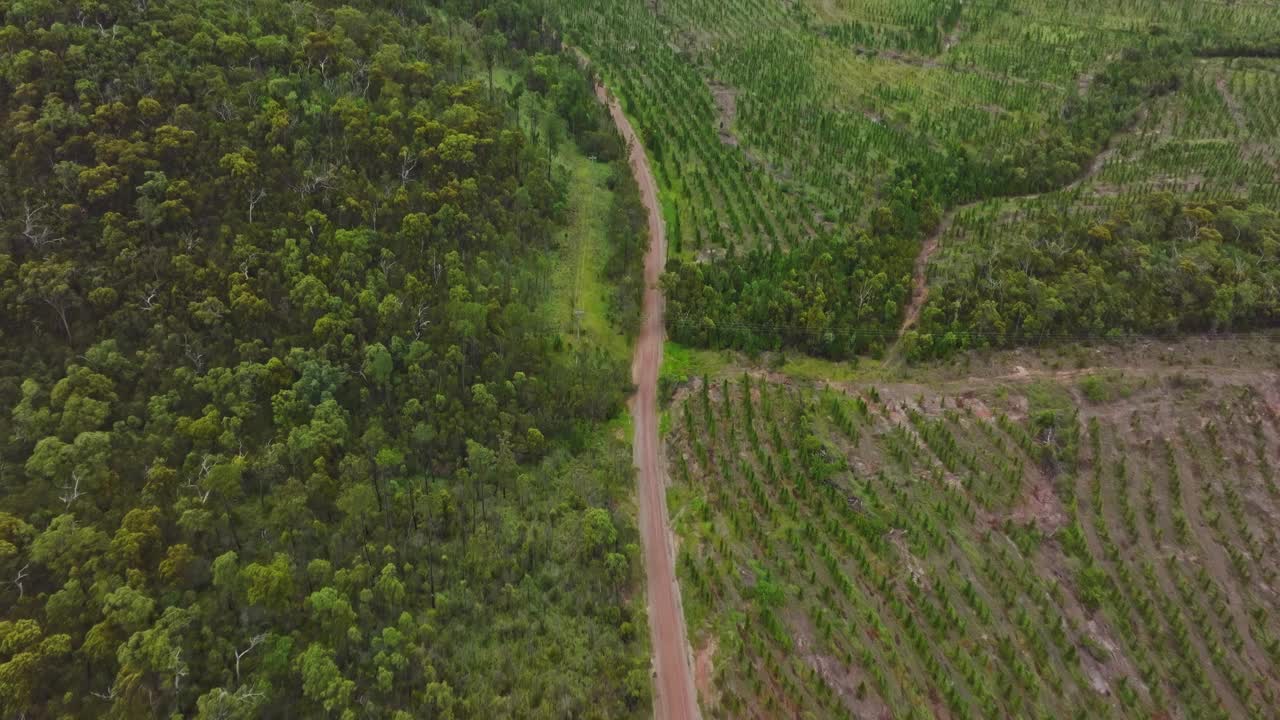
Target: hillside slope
(1018,541)
(285,431)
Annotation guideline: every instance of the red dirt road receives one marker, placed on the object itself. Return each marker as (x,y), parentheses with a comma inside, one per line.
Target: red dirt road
(674,694)
(920,274)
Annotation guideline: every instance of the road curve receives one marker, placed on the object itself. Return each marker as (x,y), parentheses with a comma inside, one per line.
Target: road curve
(920,272)
(674,694)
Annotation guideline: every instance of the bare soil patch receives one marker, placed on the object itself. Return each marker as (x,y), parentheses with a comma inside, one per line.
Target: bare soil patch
(726,101)
(703,671)
(1041,507)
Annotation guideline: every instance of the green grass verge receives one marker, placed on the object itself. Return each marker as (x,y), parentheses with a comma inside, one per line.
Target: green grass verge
(579,298)
(681,363)
(804,367)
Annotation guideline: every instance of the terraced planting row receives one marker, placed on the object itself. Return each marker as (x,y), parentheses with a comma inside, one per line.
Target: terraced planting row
(1016,552)
(1213,139)
(715,195)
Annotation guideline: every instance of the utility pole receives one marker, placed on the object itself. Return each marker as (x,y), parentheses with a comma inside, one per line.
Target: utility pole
(578,312)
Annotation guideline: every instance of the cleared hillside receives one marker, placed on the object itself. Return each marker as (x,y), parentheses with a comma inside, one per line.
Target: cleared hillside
(996,541)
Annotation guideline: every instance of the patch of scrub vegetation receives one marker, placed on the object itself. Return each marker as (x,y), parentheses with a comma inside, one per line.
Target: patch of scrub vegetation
(681,363)
(1103,387)
(579,301)
(894,550)
(804,367)
(594,275)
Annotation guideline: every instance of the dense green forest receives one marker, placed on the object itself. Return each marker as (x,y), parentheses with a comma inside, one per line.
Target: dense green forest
(284,434)
(1167,266)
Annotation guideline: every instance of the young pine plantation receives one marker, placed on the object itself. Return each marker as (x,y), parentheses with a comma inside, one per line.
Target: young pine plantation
(1095,543)
(807,151)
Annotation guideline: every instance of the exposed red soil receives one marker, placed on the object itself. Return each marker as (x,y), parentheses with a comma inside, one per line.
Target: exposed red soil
(675,697)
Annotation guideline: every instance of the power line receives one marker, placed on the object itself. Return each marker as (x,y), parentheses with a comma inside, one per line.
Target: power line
(1059,20)
(873,333)
(1057,16)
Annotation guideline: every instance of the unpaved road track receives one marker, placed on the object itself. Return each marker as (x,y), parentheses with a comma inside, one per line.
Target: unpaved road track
(920,273)
(674,694)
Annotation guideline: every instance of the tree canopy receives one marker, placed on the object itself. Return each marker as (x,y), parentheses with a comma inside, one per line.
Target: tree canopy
(284,433)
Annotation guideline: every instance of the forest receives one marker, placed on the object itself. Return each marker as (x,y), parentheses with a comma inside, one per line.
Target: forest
(315,336)
(841,294)
(285,432)
(1165,267)
(805,169)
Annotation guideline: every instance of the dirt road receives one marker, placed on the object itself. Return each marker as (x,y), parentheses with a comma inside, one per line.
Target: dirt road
(919,274)
(674,694)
